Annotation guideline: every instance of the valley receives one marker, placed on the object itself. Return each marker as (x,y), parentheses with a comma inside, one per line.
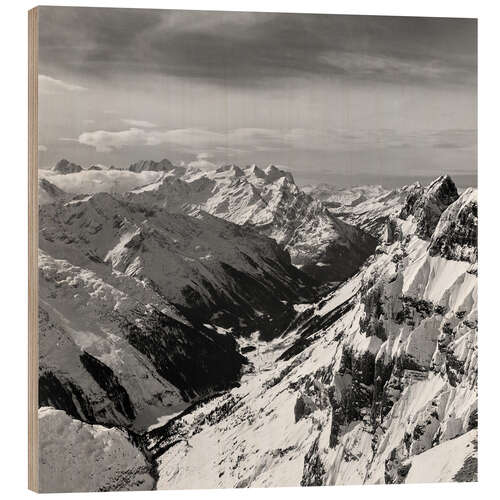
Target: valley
(228,326)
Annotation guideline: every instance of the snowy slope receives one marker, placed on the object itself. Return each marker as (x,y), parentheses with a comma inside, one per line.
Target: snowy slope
(334,196)
(368,384)
(80,457)
(367,207)
(213,269)
(145,306)
(270,201)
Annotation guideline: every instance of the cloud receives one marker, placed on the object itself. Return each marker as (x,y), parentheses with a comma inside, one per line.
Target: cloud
(138,123)
(42,148)
(259,47)
(203,162)
(96,181)
(49,85)
(454,139)
(265,139)
(390,68)
(204,156)
(104,141)
(202,165)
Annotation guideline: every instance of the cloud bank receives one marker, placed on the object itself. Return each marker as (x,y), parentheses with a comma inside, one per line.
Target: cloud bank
(264,139)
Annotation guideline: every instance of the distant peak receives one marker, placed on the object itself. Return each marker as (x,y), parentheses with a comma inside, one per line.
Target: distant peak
(151,165)
(64,166)
(256,171)
(231,169)
(443,182)
(273,173)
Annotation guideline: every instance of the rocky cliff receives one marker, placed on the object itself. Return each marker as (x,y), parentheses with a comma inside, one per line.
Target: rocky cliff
(369,385)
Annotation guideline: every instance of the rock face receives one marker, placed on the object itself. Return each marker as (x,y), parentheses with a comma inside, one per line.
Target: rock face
(455,237)
(427,205)
(268,200)
(375,383)
(66,167)
(80,457)
(151,165)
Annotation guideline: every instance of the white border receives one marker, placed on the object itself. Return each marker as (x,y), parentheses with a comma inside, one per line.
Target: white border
(13,242)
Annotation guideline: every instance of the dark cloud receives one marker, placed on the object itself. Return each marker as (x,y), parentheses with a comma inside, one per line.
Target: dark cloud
(252,48)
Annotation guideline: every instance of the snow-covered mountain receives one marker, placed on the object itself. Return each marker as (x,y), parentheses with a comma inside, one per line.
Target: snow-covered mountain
(366,207)
(100,458)
(48,192)
(269,200)
(192,328)
(335,196)
(371,214)
(146,305)
(375,383)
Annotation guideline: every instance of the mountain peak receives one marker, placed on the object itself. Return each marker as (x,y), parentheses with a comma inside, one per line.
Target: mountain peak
(455,236)
(256,171)
(427,204)
(64,166)
(151,165)
(231,169)
(273,173)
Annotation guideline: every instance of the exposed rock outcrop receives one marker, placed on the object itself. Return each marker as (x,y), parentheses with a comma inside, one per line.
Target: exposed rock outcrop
(427,204)
(66,167)
(455,237)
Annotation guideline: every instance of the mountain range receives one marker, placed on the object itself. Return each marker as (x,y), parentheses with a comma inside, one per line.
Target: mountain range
(227,328)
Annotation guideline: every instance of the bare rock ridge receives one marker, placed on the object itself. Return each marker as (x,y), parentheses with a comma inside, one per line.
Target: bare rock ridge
(455,236)
(427,205)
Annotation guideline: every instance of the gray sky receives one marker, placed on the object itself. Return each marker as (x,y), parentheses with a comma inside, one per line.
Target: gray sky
(340,99)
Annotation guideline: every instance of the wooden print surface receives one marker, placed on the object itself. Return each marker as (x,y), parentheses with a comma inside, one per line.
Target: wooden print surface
(253,249)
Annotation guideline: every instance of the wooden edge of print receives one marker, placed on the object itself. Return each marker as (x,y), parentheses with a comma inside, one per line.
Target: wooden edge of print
(33,249)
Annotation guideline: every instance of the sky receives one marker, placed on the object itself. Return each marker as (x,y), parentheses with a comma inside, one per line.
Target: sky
(339,99)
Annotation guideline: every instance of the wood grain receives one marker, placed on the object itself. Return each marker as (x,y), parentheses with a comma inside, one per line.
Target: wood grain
(33,249)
